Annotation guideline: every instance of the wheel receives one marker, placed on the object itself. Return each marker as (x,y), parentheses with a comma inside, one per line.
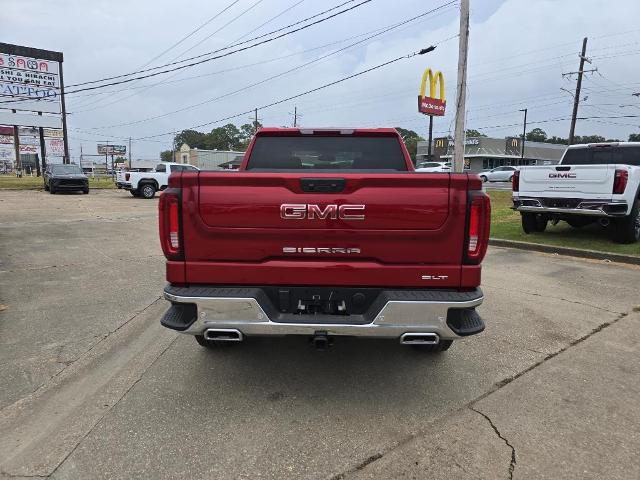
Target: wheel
(483,178)
(627,229)
(46,187)
(148,190)
(52,190)
(134,193)
(511,179)
(532,222)
(439,347)
(579,222)
(212,344)
(85,191)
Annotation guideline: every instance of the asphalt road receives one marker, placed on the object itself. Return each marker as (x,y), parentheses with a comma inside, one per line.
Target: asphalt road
(93,386)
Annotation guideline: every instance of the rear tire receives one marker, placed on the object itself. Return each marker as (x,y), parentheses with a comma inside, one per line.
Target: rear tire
(85,191)
(627,229)
(483,178)
(46,187)
(148,190)
(444,345)
(52,190)
(533,223)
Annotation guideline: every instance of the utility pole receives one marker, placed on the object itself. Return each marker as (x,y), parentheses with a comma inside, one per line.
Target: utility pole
(106,159)
(65,139)
(576,98)
(524,132)
(130,164)
(255,122)
(463,44)
(295,116)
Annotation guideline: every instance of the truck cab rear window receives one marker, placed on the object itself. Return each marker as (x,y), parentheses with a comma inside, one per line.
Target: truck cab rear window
(602,156)
(327,153)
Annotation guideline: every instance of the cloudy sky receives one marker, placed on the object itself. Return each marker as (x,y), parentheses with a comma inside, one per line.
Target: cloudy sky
(519,50)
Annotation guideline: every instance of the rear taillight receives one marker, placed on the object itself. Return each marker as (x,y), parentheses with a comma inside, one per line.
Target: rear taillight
(169,221)
(478,227)
(620,181)
(515,181)
(127,176)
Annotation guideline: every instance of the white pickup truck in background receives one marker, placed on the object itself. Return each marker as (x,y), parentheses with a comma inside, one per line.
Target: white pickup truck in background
(146,184)
(596,182)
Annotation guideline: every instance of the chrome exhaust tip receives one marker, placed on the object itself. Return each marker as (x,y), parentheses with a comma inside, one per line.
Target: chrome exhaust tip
(223,335)
(420,339)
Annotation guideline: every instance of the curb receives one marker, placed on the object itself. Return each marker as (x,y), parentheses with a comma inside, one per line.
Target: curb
(571,252)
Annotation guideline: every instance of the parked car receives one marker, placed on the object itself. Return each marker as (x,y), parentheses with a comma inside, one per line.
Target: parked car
(430,167)
(287,246)
(594,182)
(146,184)
(67,177)
(498,174)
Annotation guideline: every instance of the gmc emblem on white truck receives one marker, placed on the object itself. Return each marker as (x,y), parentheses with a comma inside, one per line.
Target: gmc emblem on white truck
(300,211)
(562,175)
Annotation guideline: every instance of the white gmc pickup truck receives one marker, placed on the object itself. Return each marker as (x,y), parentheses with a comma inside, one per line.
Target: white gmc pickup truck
(146,184)
(595,182)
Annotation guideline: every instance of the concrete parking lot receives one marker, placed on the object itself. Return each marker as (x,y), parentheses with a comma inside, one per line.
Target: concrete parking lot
(93,387)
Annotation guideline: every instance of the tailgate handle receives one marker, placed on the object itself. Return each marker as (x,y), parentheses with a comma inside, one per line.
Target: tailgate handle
(322,185)
(563,169)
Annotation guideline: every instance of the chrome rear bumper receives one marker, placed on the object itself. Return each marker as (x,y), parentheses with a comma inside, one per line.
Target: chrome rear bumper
(594,208)
(449,314)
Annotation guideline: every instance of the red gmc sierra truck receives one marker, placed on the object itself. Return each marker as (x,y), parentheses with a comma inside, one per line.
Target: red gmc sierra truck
(324,232)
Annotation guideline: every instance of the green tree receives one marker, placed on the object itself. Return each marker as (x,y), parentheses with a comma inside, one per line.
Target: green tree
(537,135)
(166,156)
(589,139)
(557,140)
(192,138)
(471,133)
(410,139)
(246,131)
(634,137)
(223,138)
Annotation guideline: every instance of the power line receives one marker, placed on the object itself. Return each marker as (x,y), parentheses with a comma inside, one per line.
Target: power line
(281,74)
(166,80)
(244,12)
(292,97)
(192,33)
(241,43)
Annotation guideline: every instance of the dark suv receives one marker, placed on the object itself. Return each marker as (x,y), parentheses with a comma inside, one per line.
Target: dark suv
(65,177)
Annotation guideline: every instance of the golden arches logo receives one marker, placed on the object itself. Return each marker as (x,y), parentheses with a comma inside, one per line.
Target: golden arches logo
(440,143)
(514,142)
(433,79)
(432,105)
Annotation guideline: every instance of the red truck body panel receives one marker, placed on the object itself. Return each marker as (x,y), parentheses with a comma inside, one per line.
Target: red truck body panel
(414,231)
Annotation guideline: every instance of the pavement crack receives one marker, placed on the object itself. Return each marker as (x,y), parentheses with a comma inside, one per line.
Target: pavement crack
(512,464)
(497,386)
(111,407)
(506,381)
(360,466)
(102,337)
(575,302)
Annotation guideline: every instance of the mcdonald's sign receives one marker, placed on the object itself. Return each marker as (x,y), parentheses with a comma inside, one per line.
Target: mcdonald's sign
(513,146)
(440,146)
(430,105)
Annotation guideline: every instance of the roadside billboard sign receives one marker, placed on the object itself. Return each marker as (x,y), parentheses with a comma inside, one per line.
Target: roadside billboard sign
(104,149)
(31,94)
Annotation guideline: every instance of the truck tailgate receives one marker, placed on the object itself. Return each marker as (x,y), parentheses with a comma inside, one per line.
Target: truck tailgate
(239,224)
(568,180)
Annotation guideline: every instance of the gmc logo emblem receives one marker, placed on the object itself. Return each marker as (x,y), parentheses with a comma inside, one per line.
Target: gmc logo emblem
(562,175)
(300,211)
